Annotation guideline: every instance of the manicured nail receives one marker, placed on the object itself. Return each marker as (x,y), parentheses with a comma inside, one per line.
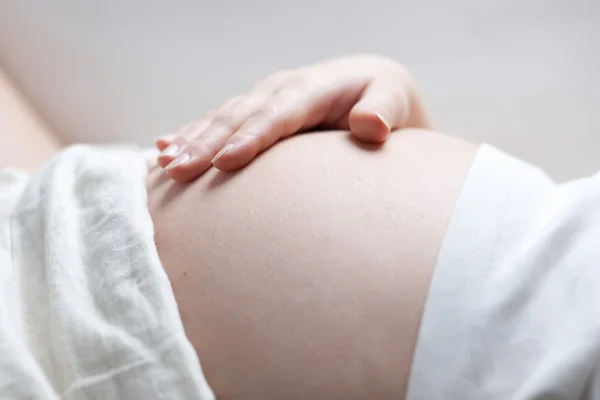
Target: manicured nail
(180,160)
(220,153)
(387,125)
(171,151)
(167,138)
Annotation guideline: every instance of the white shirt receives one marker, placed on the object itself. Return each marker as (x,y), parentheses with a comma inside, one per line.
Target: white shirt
(86,310)
(513,310)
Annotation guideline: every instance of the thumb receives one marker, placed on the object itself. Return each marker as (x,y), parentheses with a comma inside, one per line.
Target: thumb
(383,106)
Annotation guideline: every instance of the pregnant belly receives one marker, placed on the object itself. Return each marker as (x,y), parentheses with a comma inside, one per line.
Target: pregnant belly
(305,274)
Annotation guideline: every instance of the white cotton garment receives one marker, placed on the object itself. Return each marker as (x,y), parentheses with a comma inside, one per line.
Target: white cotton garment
(513,310)
(86,309)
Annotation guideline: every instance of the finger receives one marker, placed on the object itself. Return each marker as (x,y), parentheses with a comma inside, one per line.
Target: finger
(252,138)
(184,168)
(162,142)
(302,106)
(177,141)
(172,145)
(274,81)
(186,160)
(383,106)
(279,118)
(195,156)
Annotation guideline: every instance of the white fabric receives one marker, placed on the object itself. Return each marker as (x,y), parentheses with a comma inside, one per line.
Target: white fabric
(513,310)
(86,310)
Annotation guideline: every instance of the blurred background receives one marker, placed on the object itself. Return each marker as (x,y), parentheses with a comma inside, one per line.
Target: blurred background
(523,75)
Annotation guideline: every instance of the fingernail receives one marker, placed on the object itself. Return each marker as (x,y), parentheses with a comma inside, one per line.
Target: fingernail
(180,160)
(387,125)
(220,153)
(167,138)
(171,151)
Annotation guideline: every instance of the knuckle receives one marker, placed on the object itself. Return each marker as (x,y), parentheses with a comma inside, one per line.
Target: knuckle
(269,110)
(183,130)
(194,129)
(225,120)
(209,115)
(255,139)
(233,102)
(232,113)
(199,148)
(305,79)
(275,78)
(311,82)
(290,95)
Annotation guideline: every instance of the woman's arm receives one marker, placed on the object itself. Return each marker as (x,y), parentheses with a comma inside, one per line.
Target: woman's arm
(304,276)
(25,141)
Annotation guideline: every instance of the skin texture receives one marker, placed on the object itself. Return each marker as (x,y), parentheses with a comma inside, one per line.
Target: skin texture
(25,141)
(304,276)
(367,94)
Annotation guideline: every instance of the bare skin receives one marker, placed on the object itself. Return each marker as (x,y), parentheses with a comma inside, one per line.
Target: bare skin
(25,141)
(366,94)
(304,276)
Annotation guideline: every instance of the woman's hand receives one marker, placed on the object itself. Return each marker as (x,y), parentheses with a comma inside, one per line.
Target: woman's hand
(369,95)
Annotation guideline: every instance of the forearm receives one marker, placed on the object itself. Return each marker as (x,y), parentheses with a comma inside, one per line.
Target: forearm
(25,140)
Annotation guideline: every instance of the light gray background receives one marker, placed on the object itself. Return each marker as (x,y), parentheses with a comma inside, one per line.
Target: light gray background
(521,74)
